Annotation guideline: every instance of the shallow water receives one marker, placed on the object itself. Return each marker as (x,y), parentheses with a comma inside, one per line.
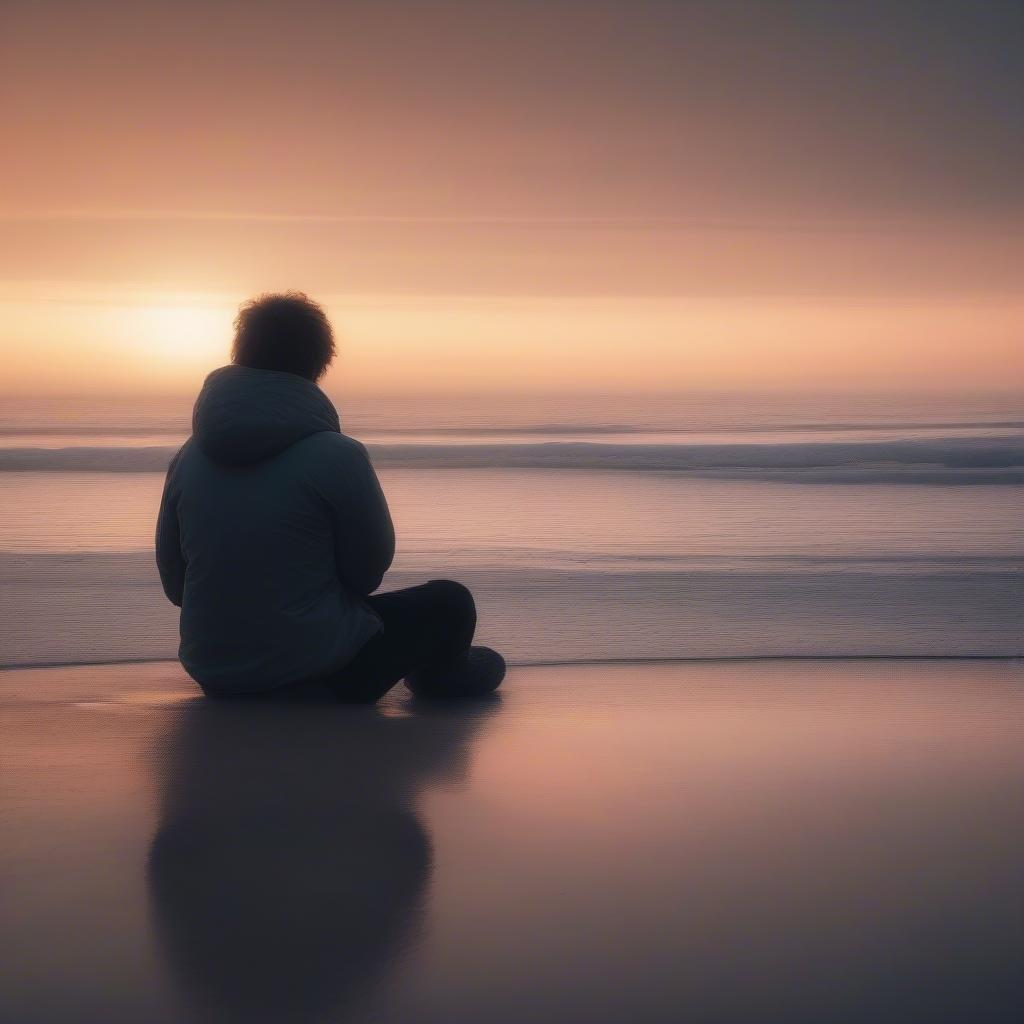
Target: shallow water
(770,841)
(683,528)
(573,566)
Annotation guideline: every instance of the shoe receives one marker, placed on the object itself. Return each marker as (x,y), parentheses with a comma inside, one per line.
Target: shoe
(476,673)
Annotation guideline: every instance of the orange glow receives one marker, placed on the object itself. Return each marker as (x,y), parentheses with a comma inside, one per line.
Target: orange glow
(566,197)
(165,344)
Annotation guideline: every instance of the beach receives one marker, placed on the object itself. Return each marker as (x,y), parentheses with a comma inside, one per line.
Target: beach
(678,345)
(770,840)
(758,756)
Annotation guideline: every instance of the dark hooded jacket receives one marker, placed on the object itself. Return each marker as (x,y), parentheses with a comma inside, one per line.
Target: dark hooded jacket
(272,530)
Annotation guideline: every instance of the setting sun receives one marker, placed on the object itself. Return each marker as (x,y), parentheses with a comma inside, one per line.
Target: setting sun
(191,336)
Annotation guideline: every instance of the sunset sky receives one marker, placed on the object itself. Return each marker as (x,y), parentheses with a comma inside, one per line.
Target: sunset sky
(518,196)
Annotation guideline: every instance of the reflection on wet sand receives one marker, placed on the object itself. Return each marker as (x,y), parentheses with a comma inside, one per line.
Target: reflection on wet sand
(289,867)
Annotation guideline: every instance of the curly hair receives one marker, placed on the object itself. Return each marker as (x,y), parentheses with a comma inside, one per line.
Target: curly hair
(285,331)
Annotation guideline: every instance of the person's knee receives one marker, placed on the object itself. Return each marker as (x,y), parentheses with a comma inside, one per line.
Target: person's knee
(457,601)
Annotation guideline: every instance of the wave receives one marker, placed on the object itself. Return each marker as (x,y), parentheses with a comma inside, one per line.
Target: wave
(944,460)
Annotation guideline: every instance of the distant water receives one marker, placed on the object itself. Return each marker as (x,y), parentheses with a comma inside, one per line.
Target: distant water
(694,526)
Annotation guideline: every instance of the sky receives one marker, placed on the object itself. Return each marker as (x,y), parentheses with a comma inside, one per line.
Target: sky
(568,195)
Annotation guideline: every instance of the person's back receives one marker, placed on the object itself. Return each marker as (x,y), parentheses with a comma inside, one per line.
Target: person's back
(263,494)
(273,533)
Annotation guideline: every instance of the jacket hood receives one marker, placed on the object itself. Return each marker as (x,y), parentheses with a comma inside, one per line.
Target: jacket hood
(243,415)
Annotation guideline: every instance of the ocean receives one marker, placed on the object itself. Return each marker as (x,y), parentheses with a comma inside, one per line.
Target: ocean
(591,529)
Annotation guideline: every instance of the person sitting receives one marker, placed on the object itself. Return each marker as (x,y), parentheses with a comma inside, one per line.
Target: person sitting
(273,535)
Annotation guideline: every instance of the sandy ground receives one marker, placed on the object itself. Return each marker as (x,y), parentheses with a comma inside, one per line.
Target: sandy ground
(709,841)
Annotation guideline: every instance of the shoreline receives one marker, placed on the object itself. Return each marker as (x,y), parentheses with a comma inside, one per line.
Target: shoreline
(591,662)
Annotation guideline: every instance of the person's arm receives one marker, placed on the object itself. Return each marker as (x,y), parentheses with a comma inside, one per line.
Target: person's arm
(169,560)
(364,537)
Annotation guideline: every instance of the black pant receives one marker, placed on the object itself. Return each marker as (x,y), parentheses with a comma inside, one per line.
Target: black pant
(424,627)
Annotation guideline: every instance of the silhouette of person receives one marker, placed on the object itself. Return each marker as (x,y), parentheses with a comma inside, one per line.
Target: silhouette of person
(273,536)
(289,866)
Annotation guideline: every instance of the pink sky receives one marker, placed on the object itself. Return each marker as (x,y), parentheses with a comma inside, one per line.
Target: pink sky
(505,196)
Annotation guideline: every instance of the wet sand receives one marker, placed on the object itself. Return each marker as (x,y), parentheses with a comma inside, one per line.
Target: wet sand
(707,841)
